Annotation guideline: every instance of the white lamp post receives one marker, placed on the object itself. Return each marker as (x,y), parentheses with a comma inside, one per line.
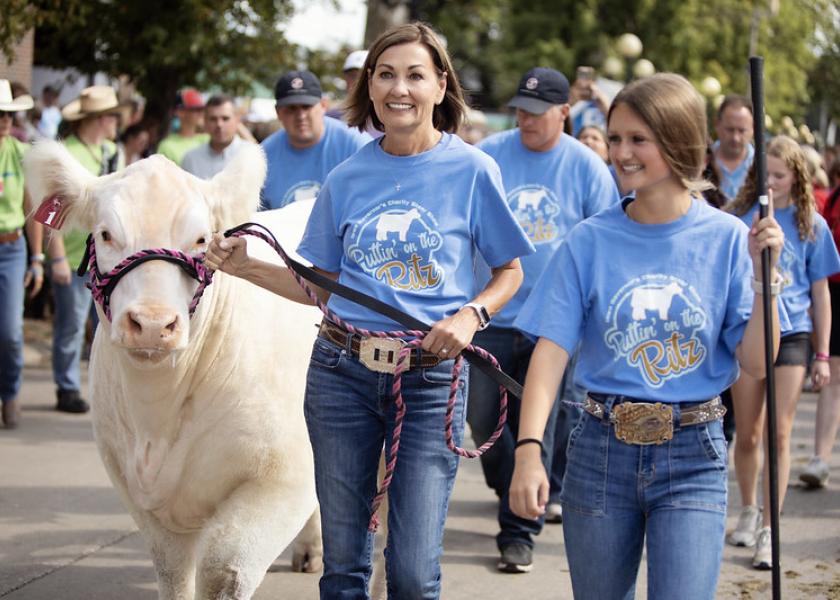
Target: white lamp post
(630,47)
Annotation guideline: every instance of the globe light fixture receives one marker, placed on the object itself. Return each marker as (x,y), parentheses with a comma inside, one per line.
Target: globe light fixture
(629,45)
(710,87)
(643,68)
(613,67)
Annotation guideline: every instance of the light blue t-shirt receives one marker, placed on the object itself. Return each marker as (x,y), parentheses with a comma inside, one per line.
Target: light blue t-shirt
(801,264)
(297,174)
(549,193)
(585,113)
(408,229)
(731,181)
(658,309)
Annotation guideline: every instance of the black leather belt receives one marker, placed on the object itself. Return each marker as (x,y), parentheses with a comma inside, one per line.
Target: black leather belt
(386,355)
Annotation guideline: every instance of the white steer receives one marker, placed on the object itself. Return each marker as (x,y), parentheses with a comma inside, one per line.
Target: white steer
(199,420)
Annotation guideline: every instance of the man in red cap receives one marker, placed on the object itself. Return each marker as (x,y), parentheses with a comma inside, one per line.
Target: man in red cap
(189,108)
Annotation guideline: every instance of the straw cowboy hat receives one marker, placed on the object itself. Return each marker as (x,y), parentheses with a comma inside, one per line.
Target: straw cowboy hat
(8,104)
(92,101)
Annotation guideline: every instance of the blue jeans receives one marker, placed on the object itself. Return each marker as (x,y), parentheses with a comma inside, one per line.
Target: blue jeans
(616,495)
(568,413)
(12,272)
(350,414)
(513,351)
(72,307)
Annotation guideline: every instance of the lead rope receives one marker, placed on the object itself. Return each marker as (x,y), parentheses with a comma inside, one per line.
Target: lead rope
(403,361)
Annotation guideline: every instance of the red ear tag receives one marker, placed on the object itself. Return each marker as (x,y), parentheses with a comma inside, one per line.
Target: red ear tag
(51,212)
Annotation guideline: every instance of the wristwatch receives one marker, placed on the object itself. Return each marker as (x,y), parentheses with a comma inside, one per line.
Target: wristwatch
(481,312)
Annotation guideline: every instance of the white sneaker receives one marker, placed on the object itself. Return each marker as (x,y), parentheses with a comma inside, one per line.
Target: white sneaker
(744,533)
(763,557)
(554,512)
(815,474)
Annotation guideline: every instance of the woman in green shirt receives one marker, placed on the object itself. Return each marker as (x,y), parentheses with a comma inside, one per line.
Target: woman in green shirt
(14,275)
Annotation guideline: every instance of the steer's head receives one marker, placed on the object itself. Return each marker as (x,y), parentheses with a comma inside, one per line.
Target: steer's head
(150,205)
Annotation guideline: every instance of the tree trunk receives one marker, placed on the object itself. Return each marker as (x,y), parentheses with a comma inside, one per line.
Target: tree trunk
(384,14)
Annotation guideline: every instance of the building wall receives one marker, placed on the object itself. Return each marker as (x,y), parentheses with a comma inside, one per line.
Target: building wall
(21,68)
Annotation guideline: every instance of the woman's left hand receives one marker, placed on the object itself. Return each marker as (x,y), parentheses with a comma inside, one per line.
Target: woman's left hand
(820,374)
(451,335)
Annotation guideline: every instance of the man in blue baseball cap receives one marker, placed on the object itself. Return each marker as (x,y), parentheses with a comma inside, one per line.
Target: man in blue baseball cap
(308,147)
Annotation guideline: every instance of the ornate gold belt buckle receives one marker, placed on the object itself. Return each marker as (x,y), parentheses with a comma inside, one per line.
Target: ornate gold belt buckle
(643,423)
(380,354)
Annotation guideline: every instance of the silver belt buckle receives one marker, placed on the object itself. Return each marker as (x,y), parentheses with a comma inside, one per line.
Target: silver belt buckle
(380,354)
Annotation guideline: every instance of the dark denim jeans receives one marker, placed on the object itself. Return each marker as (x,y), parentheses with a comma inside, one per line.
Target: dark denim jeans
(12,271)
(350,414)
(617,497)
(513,351)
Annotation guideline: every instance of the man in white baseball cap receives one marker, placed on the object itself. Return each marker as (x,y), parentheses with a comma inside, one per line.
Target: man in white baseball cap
(352,67)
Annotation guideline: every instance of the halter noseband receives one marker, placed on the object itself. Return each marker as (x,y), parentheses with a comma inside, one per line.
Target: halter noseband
(102,285)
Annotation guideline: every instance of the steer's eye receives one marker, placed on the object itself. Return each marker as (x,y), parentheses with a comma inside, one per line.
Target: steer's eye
(106,237)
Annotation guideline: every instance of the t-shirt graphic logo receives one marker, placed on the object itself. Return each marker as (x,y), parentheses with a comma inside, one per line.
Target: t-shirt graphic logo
(536,208)
(396,242)
(655,321)
(787,263)
(302,190)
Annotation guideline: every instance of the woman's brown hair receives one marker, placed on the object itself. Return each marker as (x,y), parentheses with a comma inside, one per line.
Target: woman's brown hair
(676,114)
(447,115)
(801,193)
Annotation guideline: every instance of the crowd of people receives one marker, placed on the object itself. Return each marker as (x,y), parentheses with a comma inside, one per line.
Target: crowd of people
(574,247)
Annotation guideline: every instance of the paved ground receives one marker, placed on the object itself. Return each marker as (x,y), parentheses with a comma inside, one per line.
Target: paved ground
(65,536)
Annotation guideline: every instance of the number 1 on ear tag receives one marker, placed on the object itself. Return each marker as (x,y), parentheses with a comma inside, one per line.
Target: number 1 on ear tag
(51,212)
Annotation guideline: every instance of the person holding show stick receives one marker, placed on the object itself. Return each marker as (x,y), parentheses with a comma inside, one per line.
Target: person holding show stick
(664,317)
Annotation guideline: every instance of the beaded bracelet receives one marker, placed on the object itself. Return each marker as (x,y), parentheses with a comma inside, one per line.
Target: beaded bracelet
(821,356)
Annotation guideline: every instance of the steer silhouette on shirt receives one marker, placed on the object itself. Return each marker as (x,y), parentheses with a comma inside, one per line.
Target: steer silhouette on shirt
(656,299)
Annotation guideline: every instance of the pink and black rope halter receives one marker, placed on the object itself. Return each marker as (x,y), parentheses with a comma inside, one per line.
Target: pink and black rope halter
(415,338)
(102,285)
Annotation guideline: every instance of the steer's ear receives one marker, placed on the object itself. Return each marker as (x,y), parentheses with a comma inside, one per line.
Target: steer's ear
(50,170)
(235,192)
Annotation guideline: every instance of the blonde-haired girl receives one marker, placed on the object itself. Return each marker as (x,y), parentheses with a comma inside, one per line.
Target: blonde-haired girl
(808,258)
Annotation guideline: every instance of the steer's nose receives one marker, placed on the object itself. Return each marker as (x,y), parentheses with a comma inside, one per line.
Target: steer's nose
(150,327)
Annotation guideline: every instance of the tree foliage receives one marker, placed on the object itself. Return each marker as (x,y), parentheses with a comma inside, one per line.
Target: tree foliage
(162,45)
(824,80)
(493,42)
